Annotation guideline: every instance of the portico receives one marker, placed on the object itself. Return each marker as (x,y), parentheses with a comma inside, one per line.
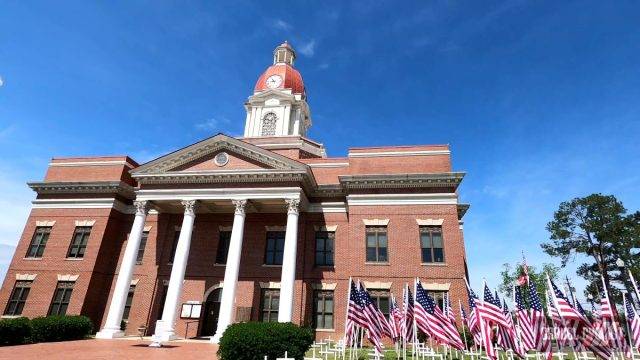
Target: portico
(212,200)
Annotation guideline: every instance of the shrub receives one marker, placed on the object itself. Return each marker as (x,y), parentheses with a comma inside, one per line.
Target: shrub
(15,331)
(60,328)
(254,340)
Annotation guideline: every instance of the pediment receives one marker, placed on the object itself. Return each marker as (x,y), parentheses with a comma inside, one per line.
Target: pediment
(199,158)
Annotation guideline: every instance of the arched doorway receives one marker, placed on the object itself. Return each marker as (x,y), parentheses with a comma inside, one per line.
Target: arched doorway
(210,314)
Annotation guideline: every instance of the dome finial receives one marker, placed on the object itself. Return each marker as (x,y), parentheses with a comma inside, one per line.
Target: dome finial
(284,54)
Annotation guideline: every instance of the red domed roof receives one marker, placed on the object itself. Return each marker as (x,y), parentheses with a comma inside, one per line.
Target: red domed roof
(291,78)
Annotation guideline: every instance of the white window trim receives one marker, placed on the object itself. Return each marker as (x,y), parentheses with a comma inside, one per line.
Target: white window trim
(45,222)
(270,285)
(329,228)
(68,277)
(430,222)
(85,222)
(376,222)
(378,285)
(26,277)
(324,286)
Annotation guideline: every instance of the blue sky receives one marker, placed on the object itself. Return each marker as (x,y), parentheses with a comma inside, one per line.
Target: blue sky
(538,100)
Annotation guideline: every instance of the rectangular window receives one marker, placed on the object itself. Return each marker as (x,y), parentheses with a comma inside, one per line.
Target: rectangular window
(143,244)
(325,248)
(275,248)
(38,242)
(439,297)
(431,244)
(163,299)
(269,303)
(381,299)
(127,304)
(18,298)
(79,242)
(377,244)
(323,309)
(223,247)
(174,245)
(61,298)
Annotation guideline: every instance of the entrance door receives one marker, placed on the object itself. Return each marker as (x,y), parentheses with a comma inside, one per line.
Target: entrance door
(211,311)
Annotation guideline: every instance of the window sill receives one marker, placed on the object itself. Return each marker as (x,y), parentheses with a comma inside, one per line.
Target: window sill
(32,258)
(325,330)
(10,316)
(433,264)
(73,259)
(268,265)
(220,265)
(377,263)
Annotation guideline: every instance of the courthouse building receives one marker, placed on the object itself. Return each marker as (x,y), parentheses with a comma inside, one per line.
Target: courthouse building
(264,227)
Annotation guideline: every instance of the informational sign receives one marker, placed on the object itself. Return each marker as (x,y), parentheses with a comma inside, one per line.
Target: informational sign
(191,310)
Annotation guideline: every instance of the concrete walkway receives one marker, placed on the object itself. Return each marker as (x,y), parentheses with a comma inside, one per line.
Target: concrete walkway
(130,348)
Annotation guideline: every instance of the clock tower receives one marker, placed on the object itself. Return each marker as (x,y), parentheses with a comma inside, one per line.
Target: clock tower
(278,106)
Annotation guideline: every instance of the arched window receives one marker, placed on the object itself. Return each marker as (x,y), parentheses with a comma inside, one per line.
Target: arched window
(269,124)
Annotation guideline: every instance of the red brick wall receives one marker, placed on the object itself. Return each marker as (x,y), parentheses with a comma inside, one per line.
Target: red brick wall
(108,237)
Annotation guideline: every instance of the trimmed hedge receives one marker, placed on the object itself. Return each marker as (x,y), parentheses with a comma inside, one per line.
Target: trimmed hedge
(254,340)
(60,328)
(15,331)
(44,329)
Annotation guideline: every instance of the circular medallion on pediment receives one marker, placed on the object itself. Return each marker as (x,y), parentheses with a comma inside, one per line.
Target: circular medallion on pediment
(221,159)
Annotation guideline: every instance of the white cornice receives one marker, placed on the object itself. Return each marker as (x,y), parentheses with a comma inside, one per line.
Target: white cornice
(329,165)
(328,207)
(400,153)
(403,199)
(90,203)
(220,194)
(93,163)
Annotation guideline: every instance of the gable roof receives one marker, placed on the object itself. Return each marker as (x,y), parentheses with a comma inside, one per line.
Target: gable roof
(278,167)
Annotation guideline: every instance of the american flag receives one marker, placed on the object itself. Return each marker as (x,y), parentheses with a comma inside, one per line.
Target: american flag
(524,322)
(559,332)
(538,321)
(490,311)
(483,325)
(371,314)
(432,321)
(524,276)
(473,320)
(634,322)
(615,335)
(407,324)
(355,315)
(449,311)
(396,318)
(507,335)
(581,325)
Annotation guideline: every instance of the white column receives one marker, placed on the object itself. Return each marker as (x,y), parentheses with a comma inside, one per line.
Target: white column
(111,327)
(231,271)
(285,311)
(165,328)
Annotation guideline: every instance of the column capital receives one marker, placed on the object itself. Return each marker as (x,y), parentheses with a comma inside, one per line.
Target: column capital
(292,205)
(240,206)
(142,207)
(189,206)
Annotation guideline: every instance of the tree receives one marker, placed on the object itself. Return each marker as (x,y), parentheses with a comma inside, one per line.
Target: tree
(510,274)
(598,228)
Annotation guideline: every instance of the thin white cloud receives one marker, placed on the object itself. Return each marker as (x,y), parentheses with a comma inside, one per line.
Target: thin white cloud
(308,49)
(282,25)
(1,81)
(323,66)
(212,124)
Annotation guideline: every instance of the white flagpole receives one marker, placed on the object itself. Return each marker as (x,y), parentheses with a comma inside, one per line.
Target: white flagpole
(346,315)
(464,332)
(635,287)
(415,326)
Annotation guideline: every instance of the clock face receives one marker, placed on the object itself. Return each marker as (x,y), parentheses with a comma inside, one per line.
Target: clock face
(274,81)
